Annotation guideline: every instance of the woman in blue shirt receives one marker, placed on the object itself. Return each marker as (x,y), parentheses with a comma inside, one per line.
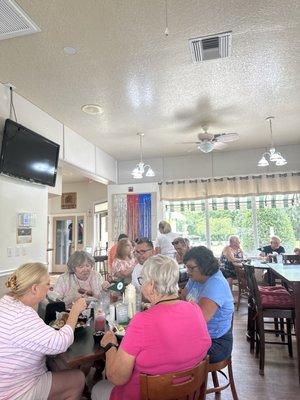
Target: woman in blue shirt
(208,288)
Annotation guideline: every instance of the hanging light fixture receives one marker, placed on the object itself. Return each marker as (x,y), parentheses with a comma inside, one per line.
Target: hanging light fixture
(141,167)
(272,154)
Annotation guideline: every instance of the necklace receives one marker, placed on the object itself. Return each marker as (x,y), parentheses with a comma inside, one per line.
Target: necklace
(162,301)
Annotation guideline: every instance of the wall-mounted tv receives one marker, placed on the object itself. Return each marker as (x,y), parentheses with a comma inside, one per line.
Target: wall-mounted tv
(27,155)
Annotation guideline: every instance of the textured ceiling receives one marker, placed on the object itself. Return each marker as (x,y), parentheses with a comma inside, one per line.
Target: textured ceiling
(146,82)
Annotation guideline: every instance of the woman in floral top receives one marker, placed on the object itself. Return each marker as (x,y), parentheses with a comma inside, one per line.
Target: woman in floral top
(80,280)
(124,262)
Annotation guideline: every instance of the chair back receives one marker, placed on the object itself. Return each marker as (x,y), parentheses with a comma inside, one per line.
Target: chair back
(291,259)
(253,286)
(241,277)
(184,385)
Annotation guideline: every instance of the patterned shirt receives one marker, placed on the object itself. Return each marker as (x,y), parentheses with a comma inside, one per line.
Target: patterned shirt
(67,286)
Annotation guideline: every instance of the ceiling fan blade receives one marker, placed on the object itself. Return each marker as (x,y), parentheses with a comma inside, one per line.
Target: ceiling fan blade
(226,137)
(187,143)
(220,145)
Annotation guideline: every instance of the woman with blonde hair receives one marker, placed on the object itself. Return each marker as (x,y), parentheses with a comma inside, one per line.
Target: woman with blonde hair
(124,262)
(163,244)
(25,341)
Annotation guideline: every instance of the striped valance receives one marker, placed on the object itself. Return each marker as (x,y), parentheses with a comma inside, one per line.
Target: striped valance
(234,203)
(254,185)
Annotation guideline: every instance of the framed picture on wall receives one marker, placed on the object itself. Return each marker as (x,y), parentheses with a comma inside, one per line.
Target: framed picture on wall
(69,200)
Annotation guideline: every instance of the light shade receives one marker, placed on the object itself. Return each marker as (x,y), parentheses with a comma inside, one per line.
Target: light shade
(263,162)
(206,146)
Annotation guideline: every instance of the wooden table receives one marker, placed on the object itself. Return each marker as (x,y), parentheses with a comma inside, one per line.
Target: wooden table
(291,275)
(82,351)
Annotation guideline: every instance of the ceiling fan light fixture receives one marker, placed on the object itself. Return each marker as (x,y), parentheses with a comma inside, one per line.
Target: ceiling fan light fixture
(206,146)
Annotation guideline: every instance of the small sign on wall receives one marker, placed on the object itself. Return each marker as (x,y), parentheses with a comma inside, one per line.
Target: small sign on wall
(24,235)
(69,200)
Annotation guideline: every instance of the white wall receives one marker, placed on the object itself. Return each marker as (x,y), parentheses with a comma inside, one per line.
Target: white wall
(17,196)
(138,188)
(227,163)
(87,195)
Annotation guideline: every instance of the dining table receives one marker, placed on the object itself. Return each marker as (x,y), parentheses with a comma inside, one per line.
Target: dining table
(82,352)
(290,274)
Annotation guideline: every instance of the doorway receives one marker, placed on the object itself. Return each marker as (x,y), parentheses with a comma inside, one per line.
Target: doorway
(68,236)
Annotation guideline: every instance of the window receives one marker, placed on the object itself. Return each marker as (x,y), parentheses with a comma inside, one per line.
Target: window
(254,219)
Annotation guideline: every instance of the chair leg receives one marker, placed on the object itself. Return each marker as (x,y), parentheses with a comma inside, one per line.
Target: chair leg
(215,379)
(282,329)
(231,380)
(261,347)
(239,299)
(276,326)
(289,337)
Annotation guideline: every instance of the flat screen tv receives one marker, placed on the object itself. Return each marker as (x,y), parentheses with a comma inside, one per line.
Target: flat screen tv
(28,155)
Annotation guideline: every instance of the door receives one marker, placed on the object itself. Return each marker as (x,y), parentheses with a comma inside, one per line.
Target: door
(68,236)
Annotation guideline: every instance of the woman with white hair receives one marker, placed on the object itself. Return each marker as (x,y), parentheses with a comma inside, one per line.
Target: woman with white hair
(274,246)
(153,337)
(25,341)
(163,244)
(80,280)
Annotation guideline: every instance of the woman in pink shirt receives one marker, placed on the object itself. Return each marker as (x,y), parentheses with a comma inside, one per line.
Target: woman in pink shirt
(124,261)
(25,340)
(171,336)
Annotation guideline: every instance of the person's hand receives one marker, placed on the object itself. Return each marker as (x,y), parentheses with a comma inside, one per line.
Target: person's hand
(109,337)
(105,285)
(79,306)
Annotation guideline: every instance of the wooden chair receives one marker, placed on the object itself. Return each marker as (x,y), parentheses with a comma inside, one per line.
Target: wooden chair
(101,264)
(273,304)
(183,385)
(242,284)
(214,369)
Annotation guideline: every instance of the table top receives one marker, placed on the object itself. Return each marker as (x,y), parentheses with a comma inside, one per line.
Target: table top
(289,272)
(83,349)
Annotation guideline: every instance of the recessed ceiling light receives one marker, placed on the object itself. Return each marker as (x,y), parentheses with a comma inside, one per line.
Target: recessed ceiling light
(92,109)
(70,51)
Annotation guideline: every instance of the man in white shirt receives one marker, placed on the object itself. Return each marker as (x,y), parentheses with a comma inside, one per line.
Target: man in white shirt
(143,250)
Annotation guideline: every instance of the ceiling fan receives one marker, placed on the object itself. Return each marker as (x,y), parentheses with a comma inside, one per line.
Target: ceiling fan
(208,141)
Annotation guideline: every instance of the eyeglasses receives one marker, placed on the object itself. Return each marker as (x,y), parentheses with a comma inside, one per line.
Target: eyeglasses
(88,266)
(176,242)
(140,280)
(191,268)
(141,252)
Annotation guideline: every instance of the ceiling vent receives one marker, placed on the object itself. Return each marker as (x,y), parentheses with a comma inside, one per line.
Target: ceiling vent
(211,47)
(14,21)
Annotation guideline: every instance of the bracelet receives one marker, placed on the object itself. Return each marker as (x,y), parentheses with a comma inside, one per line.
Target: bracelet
(109,346)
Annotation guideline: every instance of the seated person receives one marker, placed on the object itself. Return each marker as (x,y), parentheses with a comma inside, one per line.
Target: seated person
(297,251)
(112,251)
(181,245)
(274,246)
(153,338)
(143,250)
(232,255)
(25,341)
(210,290)
(124,262)
(80,280)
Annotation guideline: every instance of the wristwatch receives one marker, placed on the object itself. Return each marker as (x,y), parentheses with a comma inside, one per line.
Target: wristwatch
(109,346)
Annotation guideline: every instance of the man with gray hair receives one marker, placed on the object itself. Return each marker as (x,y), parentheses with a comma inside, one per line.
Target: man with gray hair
(143,250)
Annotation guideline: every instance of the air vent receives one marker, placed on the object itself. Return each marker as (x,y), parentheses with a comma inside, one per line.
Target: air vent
(211,47)
(14,21)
